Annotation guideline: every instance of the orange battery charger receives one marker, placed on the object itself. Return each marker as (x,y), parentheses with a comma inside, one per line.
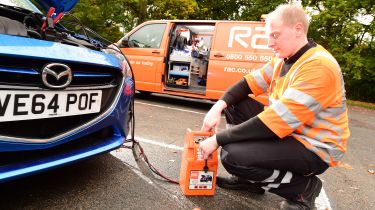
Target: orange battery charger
(197,176)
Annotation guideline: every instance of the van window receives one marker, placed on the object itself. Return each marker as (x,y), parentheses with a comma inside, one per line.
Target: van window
(149,36)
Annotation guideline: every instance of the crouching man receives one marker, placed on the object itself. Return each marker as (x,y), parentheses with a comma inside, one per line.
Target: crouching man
(303,130)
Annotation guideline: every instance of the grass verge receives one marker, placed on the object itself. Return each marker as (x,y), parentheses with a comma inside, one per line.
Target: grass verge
(362,104)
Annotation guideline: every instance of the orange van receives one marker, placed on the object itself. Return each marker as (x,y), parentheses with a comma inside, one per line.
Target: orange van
(198,59)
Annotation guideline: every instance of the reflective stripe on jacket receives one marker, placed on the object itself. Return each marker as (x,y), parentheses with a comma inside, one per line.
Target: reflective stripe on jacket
(308,102)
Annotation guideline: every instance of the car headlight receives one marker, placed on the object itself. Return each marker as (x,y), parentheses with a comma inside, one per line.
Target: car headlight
(125,66)
(126,69)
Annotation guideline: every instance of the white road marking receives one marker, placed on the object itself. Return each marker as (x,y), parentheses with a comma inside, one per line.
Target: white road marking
(157,143)
(168,107)
(321,202)
(132,167)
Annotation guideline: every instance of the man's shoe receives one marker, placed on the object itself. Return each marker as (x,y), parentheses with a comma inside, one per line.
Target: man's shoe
(306,200)
(236,183)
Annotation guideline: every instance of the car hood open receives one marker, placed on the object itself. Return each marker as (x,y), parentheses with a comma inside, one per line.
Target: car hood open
(59,5)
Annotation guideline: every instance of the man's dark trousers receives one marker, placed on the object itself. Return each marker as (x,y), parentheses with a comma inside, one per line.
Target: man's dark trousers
(281,166)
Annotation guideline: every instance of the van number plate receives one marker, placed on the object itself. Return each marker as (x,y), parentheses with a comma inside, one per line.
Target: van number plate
(27,105)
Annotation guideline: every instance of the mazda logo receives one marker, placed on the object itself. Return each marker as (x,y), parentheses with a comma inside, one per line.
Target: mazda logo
(56,75)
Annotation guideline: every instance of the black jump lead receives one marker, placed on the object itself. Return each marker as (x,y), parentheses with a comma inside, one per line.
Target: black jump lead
(135,143)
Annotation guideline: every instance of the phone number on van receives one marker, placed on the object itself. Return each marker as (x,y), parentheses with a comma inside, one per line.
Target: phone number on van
(247,57)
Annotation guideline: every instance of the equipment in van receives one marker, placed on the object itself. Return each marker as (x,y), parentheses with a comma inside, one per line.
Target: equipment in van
(197,176)
(180,42)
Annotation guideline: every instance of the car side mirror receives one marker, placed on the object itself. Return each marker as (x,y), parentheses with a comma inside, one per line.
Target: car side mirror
(125,42)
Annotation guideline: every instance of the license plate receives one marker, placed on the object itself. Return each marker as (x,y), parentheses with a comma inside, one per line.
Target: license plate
(27,105)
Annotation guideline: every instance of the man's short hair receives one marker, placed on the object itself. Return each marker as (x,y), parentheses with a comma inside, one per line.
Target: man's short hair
(290,14)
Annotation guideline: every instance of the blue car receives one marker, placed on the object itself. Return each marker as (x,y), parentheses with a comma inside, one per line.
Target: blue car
(64,96)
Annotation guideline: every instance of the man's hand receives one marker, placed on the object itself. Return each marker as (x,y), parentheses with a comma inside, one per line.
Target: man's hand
(208,146)
(212,119)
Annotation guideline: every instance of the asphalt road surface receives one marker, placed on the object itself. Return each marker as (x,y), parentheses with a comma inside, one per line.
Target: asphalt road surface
(116,181)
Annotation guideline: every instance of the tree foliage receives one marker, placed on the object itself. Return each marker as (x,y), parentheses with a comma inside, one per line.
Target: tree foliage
(338,25)
(113,15)
(100,16)
(341,26)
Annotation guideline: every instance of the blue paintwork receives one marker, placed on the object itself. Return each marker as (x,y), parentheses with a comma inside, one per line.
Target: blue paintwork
(59,5)
(33,48)
(33,72)
(14,171)
(90,75)
(20,71)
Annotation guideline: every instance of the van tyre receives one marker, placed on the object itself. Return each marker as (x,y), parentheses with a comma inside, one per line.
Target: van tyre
(144,93)
(130,121)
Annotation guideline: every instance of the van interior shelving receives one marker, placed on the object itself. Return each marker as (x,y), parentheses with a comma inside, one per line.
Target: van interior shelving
(187,58)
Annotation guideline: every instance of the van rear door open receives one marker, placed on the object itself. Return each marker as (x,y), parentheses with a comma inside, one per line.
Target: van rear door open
(238,49)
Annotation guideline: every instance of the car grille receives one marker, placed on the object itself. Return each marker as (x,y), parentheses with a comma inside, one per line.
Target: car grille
(27,76)
(89,141)
(27,73)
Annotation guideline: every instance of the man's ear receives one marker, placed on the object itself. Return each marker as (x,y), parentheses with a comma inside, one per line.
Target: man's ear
(299,29)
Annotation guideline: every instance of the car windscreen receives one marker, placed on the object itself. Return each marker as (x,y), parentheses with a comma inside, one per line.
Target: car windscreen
(25,4)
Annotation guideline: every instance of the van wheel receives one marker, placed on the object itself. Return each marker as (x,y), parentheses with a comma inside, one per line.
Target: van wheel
(144,93)
(130,121)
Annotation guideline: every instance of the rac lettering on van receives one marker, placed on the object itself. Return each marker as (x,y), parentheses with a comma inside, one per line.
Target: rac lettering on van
(239,33)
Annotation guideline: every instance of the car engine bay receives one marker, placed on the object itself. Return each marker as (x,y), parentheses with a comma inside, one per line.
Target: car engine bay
(18,21)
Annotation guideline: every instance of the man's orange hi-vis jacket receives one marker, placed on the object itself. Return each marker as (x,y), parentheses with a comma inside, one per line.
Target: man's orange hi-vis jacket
(308,102)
